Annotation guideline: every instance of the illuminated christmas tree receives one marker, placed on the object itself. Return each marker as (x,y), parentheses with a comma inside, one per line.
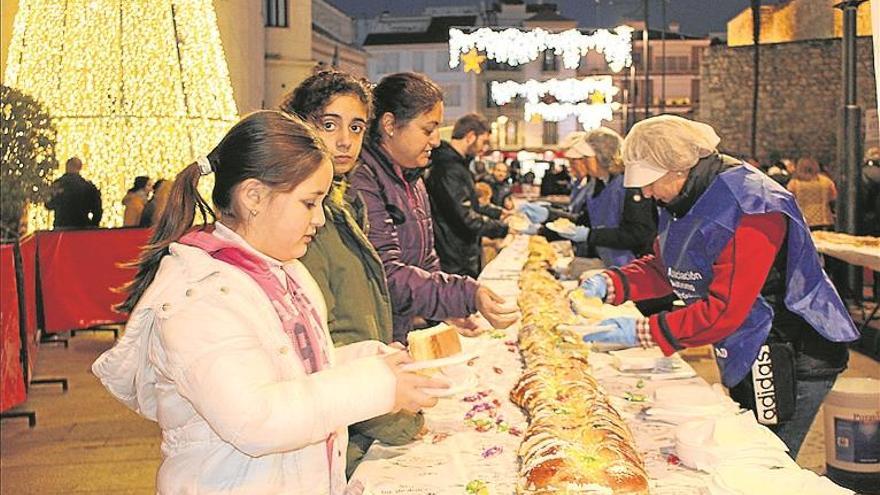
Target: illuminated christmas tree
(134,87)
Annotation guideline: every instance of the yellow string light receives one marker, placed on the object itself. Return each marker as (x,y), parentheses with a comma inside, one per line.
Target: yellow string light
(134,87)
(473,61)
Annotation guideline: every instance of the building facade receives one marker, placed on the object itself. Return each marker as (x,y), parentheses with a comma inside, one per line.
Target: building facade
(8,9)
(799,94)
(799,101)
(420,43)
(425,51)
(244,43)
(513,129)
(288,47)
(270,45)
(673,83)
(334,40)
(388,23)
(796,20)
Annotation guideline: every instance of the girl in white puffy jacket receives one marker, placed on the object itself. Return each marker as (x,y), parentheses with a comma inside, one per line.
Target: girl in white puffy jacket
(227,344)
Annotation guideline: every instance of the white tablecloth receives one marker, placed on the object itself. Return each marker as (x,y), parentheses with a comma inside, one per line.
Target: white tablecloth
(455,453)
(845,247)
(855,255)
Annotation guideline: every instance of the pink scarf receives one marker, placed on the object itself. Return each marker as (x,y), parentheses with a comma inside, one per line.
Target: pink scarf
(299,318)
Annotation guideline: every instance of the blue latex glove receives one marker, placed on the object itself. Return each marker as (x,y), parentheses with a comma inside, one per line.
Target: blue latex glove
(595,286)
(580,234)
(532,229)
(624,332)
(536,213)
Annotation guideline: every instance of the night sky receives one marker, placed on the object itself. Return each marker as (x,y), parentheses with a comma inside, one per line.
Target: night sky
(697,17)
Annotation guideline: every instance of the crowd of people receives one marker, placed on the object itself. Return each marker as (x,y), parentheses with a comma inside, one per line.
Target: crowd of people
(816,192)
(269,344)
(77,202)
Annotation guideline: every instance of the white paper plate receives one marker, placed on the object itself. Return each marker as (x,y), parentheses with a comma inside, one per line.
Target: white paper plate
(734,478)
(461,357)
(638,359)
(468,384)
(519,223)
(709,442)
(692,396)
(559,230)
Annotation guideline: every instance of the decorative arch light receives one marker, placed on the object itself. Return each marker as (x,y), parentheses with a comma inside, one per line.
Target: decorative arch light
(566,90)
(590,116)
(515,47)
(588,99)
(134,87)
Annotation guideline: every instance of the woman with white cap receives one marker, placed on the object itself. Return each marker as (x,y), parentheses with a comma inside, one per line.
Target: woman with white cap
(576,149)
(733,246)
(613,222)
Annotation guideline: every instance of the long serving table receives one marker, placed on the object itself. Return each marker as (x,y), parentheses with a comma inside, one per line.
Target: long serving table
(844,247)
(474,436)
(836,245)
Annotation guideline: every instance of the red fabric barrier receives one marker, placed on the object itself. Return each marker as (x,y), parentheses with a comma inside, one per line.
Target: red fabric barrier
(79,271)
(12,390)
(28,249)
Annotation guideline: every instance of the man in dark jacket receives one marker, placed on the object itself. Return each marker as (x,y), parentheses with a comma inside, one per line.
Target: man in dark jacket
(499,181)
(459,221)
(76,201)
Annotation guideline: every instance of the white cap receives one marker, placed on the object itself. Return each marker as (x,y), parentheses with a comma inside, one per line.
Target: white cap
(662,144)
(642,173)
(575,145)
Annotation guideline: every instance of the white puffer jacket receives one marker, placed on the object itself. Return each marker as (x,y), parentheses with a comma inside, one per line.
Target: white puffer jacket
(205,355)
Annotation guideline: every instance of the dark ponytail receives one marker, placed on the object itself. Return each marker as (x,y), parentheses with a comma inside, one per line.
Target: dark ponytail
(406,95)
(278,149)
(176,220)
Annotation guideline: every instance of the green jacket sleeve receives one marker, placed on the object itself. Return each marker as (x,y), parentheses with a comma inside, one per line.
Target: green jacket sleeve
(315,261)
(391,429)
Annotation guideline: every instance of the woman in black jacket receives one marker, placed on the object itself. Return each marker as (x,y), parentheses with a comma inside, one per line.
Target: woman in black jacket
(614,223)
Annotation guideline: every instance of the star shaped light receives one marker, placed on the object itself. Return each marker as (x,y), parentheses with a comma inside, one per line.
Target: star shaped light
(597,98)
(472,61)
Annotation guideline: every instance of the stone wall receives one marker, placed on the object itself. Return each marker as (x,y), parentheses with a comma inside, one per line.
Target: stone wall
(800,96)
(796,20)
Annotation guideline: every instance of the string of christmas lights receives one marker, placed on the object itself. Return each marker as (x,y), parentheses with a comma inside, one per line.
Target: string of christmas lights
(515,47)
(134,87)
(590,116)
(570,95)
(571,90)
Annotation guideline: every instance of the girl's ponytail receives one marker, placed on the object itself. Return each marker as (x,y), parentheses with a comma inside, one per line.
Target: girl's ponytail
(176,220)
(279,150)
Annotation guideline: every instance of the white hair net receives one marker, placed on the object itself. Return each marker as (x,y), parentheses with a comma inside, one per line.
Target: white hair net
(669,142)
(575,145)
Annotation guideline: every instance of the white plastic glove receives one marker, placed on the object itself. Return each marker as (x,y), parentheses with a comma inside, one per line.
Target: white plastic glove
(579,234)
(536,213)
